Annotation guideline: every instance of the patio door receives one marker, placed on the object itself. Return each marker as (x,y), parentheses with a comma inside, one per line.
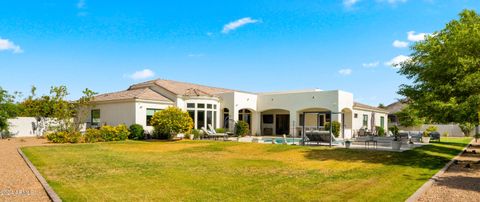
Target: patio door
(282,124)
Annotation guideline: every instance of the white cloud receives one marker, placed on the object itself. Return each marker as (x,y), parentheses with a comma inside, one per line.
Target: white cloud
(345,72)
(400,44)
(81,4)
(371,64)
(238,23)
(142,74)
(7,45)
(416,37)
(394,62)
(350,3)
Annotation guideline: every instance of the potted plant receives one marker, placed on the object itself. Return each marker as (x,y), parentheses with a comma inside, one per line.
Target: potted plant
(396,142)
(426,134)
(347,144)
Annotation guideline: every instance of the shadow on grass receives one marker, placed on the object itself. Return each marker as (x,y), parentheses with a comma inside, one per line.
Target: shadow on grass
(433,156)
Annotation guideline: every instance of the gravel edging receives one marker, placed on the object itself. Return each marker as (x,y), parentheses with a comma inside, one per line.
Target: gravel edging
(51,194)
(415,196)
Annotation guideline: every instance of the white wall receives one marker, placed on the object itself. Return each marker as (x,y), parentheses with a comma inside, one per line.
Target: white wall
(115,113)
(358,122)
(141,111)
(22,126)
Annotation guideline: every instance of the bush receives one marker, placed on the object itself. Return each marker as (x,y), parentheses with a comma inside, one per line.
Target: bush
(196,134)
(380,131)
(6,134)
(429,130)
(64,137)
(394,130)
(335,128)
(242,129)
(93,135)
(445,134)
(467,128)
(136,132)
(221,130)
(170,122)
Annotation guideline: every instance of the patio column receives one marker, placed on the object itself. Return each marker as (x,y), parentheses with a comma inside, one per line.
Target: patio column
(294,123)
(233,116)
(256,123)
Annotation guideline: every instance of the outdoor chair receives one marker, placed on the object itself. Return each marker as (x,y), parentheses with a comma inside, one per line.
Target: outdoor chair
(434,136)
(215,136)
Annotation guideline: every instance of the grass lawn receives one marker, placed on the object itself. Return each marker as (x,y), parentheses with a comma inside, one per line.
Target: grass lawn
(229,171)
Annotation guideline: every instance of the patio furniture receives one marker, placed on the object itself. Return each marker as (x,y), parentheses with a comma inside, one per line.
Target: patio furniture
(317,136)
(208,134)
(434,136)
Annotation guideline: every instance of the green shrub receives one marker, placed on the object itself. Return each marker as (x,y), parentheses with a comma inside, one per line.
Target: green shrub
(221,130)
(136,132)
(380,131)
(196,134)
(93,135)
(242,129)
(170,122)
(429,130)
(467,128)
(445,134)
(114,133)
(64,137)
(335,128)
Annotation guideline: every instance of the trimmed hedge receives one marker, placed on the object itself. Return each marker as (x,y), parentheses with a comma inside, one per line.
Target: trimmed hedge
(104,134)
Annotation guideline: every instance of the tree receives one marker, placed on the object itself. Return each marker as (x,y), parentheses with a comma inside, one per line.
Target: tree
(171,121)
(409,117)
(8,109)
(445,70)
(55,110)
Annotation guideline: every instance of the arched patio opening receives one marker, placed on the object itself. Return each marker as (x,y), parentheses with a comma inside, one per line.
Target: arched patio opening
(245,115)
(275,122)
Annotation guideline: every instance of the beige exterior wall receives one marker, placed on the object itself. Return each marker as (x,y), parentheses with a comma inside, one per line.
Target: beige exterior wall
(358,122)
(141,112)
(114,113)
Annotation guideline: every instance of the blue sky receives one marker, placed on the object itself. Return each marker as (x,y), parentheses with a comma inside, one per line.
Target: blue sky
(256,46)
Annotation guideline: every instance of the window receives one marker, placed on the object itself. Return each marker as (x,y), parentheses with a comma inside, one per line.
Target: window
(95,116)
(382,122)
(226,118)
(268,119)
(365,120)
(203,114)
(209,118)
(200,119)
(355,115)
(150,113)
(192,115)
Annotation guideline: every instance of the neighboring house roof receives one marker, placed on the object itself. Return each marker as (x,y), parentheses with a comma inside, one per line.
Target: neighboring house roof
(180,88)
(395,107)
(368,107)
(141,93)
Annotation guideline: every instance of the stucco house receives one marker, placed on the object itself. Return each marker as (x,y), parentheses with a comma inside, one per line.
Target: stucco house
(272,113)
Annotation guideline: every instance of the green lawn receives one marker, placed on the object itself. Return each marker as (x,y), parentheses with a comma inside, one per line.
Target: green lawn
(228,171)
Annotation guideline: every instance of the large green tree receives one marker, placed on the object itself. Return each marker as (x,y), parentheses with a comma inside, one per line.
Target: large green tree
(445,72)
